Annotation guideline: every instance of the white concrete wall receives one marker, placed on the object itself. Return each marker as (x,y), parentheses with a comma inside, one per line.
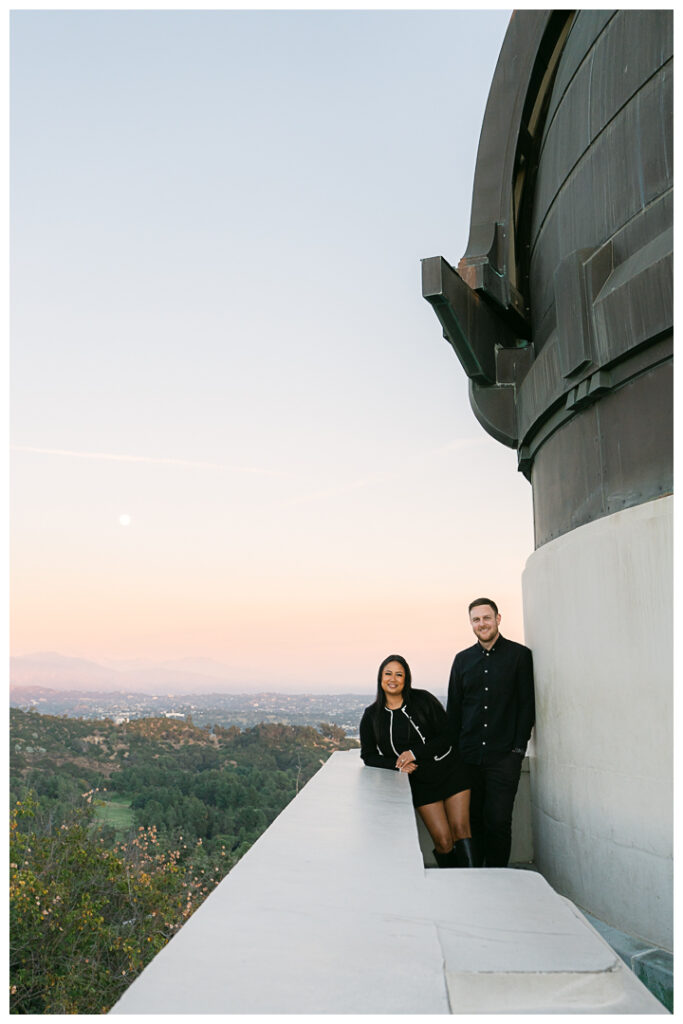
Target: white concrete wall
(598,611)
(332,911)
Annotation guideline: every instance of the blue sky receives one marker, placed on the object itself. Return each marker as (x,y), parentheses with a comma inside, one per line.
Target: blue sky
(217,330)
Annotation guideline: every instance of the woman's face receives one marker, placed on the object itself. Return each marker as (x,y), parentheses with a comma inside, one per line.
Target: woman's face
(393,678)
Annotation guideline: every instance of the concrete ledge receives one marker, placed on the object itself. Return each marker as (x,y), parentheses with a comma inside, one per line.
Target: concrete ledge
(333,911)
(320,916)
(653,965)
(526,950)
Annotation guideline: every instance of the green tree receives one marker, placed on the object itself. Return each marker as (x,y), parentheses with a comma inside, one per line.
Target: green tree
(85,919)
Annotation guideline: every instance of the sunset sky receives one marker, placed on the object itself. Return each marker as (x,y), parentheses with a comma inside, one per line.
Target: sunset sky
(237,432)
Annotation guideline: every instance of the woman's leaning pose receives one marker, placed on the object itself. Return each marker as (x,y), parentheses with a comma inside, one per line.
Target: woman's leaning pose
(407,730)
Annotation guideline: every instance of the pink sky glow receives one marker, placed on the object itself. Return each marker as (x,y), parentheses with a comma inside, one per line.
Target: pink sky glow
(237,432)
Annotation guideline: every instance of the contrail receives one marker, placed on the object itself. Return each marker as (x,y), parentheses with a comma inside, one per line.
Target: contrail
(390,473)
(393,472)
(105,456)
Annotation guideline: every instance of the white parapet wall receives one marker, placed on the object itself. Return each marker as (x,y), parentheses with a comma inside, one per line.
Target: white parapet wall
(598,611)
(333,911)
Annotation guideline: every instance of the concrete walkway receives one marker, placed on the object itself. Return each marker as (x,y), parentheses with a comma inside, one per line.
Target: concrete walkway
(333,911)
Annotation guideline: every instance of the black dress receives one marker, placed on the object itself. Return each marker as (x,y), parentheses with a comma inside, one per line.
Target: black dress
(420,725)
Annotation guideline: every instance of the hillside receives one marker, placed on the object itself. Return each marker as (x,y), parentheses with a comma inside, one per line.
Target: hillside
(42,741)
(119,831)
(157,763)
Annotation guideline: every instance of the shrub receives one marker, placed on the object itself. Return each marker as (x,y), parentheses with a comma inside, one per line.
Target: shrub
(85,919)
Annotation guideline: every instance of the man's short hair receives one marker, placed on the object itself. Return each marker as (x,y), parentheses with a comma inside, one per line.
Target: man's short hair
(483,600)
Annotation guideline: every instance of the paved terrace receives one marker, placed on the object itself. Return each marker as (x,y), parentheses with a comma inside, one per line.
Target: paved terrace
(333,911)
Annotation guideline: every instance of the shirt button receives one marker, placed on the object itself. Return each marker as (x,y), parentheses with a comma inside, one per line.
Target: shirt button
(486,725)
(486,688)
(486,707)
(483,743)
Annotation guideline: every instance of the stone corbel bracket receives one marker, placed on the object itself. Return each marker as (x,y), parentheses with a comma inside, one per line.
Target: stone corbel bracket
(480,305)
(492,357)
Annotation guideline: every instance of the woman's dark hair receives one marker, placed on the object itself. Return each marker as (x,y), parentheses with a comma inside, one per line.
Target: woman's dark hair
(380,699)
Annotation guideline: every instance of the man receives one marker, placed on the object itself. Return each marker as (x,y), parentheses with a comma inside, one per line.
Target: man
(491,711)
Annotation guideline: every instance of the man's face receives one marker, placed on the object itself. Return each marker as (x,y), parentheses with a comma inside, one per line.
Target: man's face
(484,623)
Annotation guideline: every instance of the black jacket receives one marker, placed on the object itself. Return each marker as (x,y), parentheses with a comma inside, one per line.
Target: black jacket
(423,726)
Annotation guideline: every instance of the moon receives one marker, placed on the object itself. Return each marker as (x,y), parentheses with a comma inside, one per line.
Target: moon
(125,519)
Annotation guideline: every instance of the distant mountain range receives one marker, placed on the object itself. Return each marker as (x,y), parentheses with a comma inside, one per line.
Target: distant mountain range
(58,672)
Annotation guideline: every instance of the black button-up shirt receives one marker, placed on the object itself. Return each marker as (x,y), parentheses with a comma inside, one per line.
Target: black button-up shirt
(491,700)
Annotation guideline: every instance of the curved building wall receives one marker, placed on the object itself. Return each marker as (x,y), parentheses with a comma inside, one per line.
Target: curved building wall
(600,282)
(597,614)
(606,156)
(596,415)
(561,313)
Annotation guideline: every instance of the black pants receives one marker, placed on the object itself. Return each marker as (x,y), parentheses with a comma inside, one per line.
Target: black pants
(493,794)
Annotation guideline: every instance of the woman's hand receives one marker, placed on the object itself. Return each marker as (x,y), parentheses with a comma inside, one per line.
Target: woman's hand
(406,761)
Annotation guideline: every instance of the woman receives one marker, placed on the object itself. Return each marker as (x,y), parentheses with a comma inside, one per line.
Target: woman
(407,730)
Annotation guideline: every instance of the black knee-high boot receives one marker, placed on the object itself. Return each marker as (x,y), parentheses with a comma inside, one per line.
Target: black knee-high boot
(445,860)
(464,853)
(478,851)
